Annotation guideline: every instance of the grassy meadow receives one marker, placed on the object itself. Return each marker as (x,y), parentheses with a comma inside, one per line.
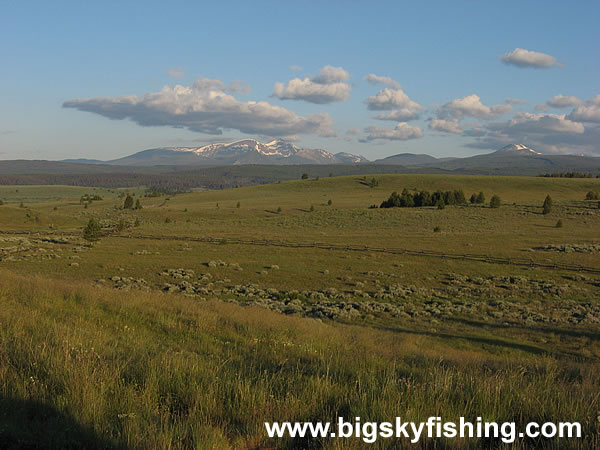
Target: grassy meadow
(148,338)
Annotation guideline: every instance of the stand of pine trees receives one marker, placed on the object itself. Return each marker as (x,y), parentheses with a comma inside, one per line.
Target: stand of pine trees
(407,199)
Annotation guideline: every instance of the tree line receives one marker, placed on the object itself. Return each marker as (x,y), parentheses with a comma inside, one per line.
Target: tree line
(569,175)
(441,199)
(407,199)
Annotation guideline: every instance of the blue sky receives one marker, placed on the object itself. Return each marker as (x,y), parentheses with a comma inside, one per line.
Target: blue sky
(106,79)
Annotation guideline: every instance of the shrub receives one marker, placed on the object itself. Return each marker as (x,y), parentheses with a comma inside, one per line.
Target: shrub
(304,176)
(437,229)
(480,200)
(547,207)
(92,231)
(495,202)
(137,222)
(591,195)
(138,205)
(559,224)
(121,225)
(312,208)
(278,209)
(329,202)
(167,220)
(238,205)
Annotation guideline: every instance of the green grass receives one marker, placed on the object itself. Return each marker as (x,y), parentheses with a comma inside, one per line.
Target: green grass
(154,370)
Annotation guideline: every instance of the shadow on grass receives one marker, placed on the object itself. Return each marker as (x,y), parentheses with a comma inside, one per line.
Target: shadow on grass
(541,329)
(27,424)
(475,339)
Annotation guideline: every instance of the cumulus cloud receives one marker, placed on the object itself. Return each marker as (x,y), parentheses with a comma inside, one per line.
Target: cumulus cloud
(207,108)
(376,79)
(590,112)
(389,99)
(563,101)
(541,124)
(399,115)
(446,126)
(471,106)
(330,74)
(515,101)
(402,132)
(522,58)
(176,72)
(549,133)
(328,86)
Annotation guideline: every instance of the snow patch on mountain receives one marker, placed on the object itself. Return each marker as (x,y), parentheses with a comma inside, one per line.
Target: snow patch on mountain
(518,148)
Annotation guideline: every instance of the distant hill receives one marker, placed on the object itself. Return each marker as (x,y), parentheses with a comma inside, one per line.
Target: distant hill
(518,159)
(249,162)
(83,161)
(407,159)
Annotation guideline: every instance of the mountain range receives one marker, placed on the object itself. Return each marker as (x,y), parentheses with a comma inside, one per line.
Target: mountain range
(247,151)
(515,159)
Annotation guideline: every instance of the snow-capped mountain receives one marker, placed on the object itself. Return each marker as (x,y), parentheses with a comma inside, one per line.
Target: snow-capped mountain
(247,151)
(523,149)
(349,158)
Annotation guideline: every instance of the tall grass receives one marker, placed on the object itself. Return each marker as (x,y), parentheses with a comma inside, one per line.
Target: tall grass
(91,367)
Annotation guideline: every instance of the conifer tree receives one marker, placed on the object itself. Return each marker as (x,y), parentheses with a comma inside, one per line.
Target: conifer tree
(547,207)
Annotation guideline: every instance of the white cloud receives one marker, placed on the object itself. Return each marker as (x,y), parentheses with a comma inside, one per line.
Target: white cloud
(525,58)
(353,132)
(207,108)
(399,115)
(402,132)
(176,72)
(541,107)
(471,106)
(590,112)
(562,101)
(543,124)
(515,101)
(446,126)
(328,86)
(389,99)
(549,133)
(376,79)
(330,74)
(295,68)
